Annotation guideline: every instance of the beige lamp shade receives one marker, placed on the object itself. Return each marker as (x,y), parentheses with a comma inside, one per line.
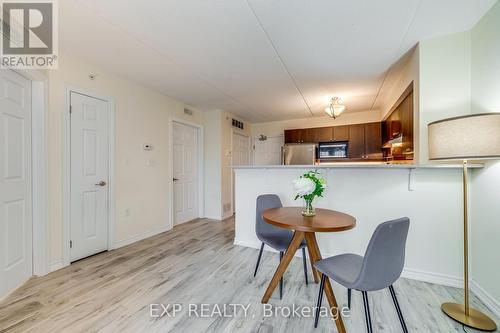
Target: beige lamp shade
(468,137)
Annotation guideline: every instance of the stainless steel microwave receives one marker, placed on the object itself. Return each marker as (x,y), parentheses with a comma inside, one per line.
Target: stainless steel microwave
(333,150)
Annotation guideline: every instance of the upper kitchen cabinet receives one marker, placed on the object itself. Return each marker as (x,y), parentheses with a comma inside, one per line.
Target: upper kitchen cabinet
(356,141)
(325,134)
(392,125)
(373,141)
(308,135)
(292,136)
(365,141)
(407,124)
(341,133)
(398,128)
(304,135)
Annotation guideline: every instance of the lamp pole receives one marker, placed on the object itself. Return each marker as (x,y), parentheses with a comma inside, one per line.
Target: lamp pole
(466,239)
(463,313)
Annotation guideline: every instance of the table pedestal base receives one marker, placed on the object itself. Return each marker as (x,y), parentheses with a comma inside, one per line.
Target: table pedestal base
(315,255)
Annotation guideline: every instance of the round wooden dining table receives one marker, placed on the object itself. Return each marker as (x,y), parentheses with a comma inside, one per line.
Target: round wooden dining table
(304,227)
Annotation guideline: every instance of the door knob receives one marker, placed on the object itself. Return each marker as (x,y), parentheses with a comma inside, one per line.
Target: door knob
(175,179)
(101,183)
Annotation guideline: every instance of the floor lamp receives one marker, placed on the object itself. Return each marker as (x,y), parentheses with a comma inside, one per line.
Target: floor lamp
(472,137)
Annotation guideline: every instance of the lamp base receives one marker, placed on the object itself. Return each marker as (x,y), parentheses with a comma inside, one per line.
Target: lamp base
(475,319)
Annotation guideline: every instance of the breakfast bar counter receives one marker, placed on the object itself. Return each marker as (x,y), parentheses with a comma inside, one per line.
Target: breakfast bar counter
(372,192)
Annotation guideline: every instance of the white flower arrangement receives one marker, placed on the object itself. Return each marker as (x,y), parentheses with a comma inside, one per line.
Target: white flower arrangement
(309,185)
(303,186)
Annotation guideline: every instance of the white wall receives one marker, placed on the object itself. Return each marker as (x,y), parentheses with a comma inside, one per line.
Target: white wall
(142,116)
(218,171)
(227,151)
(212,121)
(445,69)
(400,76)
(485,222)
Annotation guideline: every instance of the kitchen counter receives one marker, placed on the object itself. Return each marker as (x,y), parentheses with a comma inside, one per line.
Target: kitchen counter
(362,165)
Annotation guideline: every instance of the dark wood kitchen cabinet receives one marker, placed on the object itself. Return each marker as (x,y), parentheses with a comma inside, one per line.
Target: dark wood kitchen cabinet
(356,141)
(373,141)
(325,134)
(392,126)
(308,135)
(304,135)
(292,136)
(407,124)
(365,141)
(399,125)
(341,133)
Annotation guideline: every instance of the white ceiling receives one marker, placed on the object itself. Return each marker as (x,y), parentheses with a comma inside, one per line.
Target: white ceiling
(261,59)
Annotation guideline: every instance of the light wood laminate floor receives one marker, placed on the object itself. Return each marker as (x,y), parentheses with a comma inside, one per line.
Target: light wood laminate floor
(197,263)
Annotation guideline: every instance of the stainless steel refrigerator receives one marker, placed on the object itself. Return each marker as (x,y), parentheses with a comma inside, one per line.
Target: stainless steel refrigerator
(299,154)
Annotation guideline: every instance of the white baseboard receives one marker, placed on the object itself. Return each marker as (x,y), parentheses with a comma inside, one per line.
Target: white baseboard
(215,218)
(419,275)
(253,245)
(133,239)
(56,265)
(487,299)
(257,246)
(219,218)
(437,278)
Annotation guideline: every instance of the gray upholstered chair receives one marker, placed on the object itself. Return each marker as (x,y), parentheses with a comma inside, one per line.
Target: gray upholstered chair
(378,269)
(274,237)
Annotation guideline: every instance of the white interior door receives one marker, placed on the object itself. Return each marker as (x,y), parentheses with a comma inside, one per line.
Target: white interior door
(240,155)
(241,149)
(185,154)
(15,184)
(268,152)
(89,176)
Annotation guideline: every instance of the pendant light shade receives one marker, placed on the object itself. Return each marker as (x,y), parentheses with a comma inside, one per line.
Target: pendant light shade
(335,108)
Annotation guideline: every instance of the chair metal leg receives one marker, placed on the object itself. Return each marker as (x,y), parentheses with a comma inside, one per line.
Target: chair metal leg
(349,298)
(398,309)
(281,281)
(305,263)
(320,299)
(367,312)
(258,259)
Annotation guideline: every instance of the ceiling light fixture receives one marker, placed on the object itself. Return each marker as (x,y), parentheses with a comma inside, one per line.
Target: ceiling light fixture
(335,108)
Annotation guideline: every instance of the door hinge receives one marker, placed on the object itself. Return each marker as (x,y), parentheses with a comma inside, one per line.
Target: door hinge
(70,109)
(70,244)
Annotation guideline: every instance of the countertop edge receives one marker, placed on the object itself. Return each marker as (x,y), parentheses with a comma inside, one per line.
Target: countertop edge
(361,166)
